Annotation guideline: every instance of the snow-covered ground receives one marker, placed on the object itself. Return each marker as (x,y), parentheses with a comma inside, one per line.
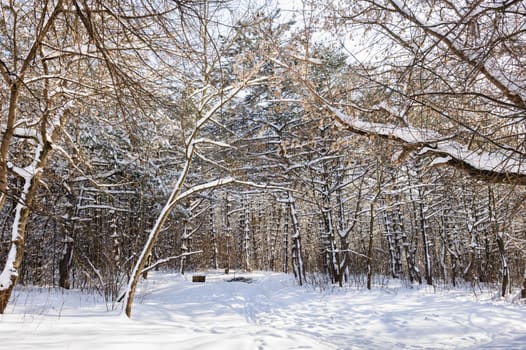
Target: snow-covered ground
(171,312)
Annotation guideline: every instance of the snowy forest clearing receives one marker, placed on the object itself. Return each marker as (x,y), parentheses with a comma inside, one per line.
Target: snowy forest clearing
(271,312)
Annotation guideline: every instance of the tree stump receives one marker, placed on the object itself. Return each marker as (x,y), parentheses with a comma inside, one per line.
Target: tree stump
(198,278)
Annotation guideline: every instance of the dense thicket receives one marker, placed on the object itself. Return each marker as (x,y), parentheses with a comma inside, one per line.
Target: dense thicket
(276,150)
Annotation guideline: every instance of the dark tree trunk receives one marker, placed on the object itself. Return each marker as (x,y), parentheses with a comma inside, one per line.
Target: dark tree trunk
(297,257)
(64,265)
(213,236)
(286,242)
(505,272)
(370,248)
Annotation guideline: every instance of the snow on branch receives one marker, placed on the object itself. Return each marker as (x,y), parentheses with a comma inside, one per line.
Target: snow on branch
(512,91)
(21,132)
(232,92)
(222,182)
(213,142)
(97,206)
(501,166)
(310,60)
(166,260)
(25,173)
(205,186)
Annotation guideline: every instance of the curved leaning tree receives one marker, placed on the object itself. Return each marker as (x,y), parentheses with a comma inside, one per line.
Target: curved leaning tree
(168,65)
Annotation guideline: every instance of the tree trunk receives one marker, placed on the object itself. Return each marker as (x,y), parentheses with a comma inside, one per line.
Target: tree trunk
(297,258)
(228,234)
(32,175)
(213,236)
(413,240)
(324,247)
(343,231)
(64,265)
(9,275)
(449,245)
(152,238)
(425,238)
(343,260)
(370,248)
(66,260)
(398,228)
(504,262)
(523,290)
(389,231)
(500,242)
(185,246)
(245,221)
(286,242)
(16,83)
